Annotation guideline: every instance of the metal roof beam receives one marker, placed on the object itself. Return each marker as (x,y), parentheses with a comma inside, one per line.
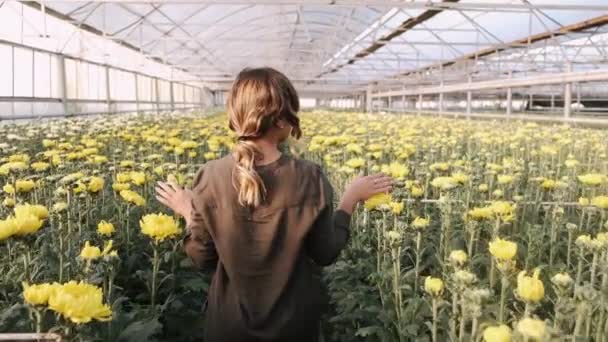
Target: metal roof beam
(404,27)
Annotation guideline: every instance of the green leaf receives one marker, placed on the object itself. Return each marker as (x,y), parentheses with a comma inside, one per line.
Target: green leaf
(141,331)
(368,331)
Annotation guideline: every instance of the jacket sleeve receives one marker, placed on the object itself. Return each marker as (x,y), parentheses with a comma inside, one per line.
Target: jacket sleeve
(198,243)
(330,231)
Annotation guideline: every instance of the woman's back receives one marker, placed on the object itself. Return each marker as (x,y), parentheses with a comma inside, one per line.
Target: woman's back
(264,283)
(264,229)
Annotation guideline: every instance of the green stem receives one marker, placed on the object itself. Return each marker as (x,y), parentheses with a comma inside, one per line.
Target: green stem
(155,265)
(503,294)
(417,264)
(579,271)
(594,268)
(568,258)
(434,328)
(473,328)
(454,314)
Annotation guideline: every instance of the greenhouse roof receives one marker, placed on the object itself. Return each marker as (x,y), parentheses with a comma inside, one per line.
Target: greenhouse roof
(342,46)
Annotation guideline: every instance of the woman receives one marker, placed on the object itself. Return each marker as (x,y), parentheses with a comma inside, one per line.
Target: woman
(263,221)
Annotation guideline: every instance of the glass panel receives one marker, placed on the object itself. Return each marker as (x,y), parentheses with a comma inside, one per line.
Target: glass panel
(23,72)
(42,74)
(6,70)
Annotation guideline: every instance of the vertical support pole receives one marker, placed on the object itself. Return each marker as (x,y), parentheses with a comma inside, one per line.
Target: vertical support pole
(531,101)
(552,103)
(568,95)
(62,81)
(390,103)
(157,95)
(509,101)
(440,106)
(172,98)
(108,96)
(578,97)
(419,104)
(469,99)
(368,99)
(509,98)
(403,107)
(136,93)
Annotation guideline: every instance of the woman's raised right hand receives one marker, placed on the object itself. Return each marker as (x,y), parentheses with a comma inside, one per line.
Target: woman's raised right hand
(364,187)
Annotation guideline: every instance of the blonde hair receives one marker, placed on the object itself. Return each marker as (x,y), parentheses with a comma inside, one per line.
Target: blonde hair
(259,98)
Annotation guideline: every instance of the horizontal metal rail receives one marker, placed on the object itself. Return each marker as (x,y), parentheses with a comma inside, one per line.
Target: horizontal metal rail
(545,79)
(60,115)
(492,116)
(31,337)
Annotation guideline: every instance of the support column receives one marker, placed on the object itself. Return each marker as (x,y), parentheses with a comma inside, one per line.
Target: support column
(403,107)
(440,105)
(157,95)
(419,104)
(568,95)
(136,93)
(172,97)
(368,99)
(552,103)
(390,103)
(578,97)
(531,101)
(469,100)
(509,99)
(108,96)
(62,81)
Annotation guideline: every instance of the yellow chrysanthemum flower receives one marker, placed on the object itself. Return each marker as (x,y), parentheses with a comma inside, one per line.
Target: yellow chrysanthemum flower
(123,177)
(592,179)
(378,201)
(500,333)
(105,228)
(8,228)
(39,211)
(9,202)
(417,191)
(479,214)
(26,224)
(132,197)
(355,163)
(562,280)
(600,202)
(530,289)
(159,226)
(40,166)
(138,178)
(433,286)
(532,330)
(505,179)
(80,302)
(458,258)
(89,252)
(38,294)
(397,207)
(118,187)
(503,250)
(25,185)
(420,223)
(9,189)
(96,184)
(444,183)
(395,170)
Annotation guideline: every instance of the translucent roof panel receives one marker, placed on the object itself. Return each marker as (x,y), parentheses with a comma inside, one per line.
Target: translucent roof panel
(341,46)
